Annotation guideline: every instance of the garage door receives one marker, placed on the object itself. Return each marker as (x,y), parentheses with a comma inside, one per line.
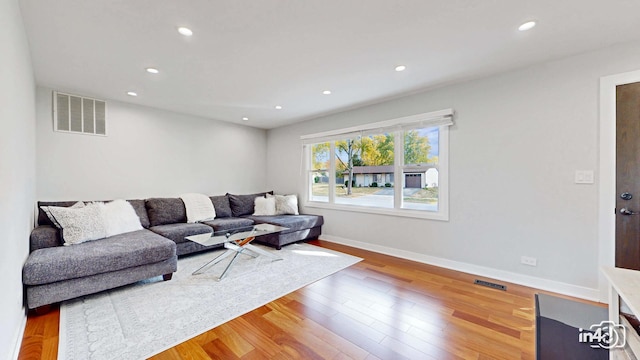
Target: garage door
(412,180)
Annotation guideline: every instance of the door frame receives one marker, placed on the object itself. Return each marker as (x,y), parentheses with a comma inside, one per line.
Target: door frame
(607,172)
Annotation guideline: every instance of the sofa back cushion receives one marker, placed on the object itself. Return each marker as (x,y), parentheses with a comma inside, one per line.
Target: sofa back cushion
(244,204)
(163,211)
(43,219)
(138,206)
(222,206)
(44,236)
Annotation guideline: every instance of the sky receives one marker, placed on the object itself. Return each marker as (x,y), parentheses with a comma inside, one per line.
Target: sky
(434,140)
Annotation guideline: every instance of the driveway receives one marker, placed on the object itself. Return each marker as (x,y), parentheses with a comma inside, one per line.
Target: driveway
(389,191)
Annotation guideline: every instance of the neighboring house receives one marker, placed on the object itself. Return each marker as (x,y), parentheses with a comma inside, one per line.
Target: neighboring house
(415,176)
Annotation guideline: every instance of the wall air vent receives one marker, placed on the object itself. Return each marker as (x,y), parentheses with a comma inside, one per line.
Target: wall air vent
(77,114)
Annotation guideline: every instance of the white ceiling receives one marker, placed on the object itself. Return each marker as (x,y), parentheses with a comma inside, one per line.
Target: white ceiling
(247,56)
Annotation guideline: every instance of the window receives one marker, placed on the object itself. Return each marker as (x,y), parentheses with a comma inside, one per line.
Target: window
(364,159)
(420,170)
(397,167)
(319,172)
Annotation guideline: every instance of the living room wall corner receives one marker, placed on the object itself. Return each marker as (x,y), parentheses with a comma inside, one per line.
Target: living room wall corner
(17,172)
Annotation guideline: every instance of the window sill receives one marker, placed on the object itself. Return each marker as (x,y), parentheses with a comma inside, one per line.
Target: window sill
(440,216)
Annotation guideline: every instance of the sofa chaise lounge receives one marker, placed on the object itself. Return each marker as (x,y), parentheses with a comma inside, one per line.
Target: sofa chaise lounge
(54,273)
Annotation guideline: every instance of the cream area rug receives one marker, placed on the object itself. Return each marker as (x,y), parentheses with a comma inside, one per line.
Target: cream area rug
(143,319)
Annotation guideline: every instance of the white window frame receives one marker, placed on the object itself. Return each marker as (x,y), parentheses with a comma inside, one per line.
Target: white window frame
(442,119)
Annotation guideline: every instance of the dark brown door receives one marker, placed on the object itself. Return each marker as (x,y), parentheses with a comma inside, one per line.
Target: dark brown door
(628,176)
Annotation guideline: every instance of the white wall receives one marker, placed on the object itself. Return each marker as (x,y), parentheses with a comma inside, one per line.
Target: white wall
(147,153)
(17,171)
(517,141)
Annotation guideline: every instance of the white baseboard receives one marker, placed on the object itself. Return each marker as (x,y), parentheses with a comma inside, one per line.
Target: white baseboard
(526,280)
(19,336)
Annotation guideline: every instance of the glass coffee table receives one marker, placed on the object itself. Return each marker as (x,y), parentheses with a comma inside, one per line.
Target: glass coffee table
(236,241)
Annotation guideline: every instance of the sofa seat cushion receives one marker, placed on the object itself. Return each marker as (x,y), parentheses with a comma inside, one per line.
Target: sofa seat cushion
(293,222)
(114,253)
(229,223)
(178,232)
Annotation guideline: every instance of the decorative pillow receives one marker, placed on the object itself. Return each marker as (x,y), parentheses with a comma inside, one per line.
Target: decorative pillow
(286,204)
(43,218)
(199,207)
(243,204)
(46,210)
(265,206)
(120,217)
(78,225)
(141,210)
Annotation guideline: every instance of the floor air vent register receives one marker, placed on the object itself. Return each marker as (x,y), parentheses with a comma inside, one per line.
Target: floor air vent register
(490,285)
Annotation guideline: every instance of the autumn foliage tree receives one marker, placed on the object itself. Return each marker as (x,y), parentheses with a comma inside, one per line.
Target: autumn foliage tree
(373,150)
(416,148)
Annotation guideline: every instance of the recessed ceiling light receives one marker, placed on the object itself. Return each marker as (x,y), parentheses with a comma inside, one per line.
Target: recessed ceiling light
(327,92)
(278,107)
(245,118)
(185,31)
(400,68)
(527,26)
(152,70)
(132,93)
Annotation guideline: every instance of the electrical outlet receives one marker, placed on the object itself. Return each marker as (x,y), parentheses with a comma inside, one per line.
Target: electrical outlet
(527,260)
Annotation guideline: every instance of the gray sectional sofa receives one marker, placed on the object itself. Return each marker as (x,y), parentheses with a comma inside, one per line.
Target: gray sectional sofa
(53,272)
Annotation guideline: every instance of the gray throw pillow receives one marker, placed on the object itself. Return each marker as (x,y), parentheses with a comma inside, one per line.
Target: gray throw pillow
(80,224)
(53,220)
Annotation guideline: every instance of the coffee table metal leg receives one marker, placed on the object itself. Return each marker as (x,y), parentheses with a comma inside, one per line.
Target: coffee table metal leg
(243,248)
(224,273)
(214,261)
(262,252)
(235,247)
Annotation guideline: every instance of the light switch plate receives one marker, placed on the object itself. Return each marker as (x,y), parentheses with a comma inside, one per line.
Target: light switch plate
(584,177)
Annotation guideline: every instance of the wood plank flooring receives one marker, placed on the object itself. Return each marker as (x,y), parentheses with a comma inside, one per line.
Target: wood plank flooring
(380,308)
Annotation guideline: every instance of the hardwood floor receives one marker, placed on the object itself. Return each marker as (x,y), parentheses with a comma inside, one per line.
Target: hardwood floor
(380,308)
